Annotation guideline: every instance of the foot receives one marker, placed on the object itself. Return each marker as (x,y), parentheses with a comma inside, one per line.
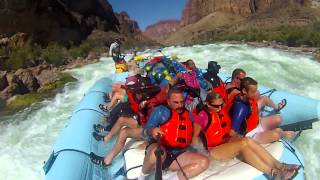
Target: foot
(98,160)
(276,175)
(288,134)
(289,174)
(281,104)
(99,128)
(290,166)
(104,119)
(107,97)
(97,136)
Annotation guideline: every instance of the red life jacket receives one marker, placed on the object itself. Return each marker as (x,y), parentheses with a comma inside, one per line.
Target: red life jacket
(218,128)
(177,130)
(253,120)
(133,104)
(221,90)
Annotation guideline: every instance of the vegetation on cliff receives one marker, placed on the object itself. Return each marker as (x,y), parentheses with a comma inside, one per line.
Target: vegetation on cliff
(290,36)
(20,102)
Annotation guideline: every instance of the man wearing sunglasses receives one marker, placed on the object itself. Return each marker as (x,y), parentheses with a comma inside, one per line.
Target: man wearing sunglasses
(213,126)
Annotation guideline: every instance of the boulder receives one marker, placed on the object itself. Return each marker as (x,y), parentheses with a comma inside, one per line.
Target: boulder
(28,79)
(15,86)
(48,75)
(3,80)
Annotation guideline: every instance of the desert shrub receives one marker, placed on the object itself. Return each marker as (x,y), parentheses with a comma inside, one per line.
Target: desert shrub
(54,54)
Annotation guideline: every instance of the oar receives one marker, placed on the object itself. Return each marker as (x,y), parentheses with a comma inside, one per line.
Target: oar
(158,160)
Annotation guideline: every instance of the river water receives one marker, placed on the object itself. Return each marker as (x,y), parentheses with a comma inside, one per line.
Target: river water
(27,137)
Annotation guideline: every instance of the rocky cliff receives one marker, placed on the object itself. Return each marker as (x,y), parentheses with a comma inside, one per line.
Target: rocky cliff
(162,29)
(127,25)
(201,19)
(62,21)
(197,9)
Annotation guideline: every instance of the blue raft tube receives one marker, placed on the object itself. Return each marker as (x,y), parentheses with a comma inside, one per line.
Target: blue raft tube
(70,159)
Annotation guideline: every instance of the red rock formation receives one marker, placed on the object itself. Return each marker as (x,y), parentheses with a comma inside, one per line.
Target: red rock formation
(162,29)
(197,9)
(127,25)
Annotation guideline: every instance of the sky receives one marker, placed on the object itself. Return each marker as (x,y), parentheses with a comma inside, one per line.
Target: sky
(147,12)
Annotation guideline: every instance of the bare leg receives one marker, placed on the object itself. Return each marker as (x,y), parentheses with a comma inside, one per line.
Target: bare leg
(271,122)
(242,148)
(266,101)
(268,136)
(122,121)
(125,133)
(114,100)
(192,164)
(150,159)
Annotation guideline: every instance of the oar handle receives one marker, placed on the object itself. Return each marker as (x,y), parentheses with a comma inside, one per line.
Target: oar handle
(158,175)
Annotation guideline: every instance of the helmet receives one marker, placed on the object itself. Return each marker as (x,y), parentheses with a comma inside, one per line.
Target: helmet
(137,58)
(158,76)
(148,67)
(213,67)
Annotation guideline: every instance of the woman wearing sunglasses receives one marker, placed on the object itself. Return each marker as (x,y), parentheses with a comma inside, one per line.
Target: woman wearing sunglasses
(213,126)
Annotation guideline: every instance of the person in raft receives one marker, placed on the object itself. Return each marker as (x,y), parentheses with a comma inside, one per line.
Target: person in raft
(173,124)
(212,124)
(245,117)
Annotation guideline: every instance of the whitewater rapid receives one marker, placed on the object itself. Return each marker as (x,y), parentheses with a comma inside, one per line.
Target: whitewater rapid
(26,138)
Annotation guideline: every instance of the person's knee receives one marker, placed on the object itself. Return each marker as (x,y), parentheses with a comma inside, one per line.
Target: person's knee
(123,133)
(276,134)
(245,142)
(203,162)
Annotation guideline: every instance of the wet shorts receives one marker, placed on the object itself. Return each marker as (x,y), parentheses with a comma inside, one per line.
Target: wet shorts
(170,157)
(255,131)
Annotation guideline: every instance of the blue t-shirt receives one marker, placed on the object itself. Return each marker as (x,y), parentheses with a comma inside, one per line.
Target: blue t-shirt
(239,112)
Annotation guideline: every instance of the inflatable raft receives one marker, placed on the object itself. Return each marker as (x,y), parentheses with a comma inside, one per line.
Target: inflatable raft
(70,159)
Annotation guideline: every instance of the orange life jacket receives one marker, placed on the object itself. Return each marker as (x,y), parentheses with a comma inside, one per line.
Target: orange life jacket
(218,128)
(253,120)
(177,130)
(221,90)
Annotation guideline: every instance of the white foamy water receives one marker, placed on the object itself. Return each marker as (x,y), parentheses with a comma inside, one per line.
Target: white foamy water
(26,138)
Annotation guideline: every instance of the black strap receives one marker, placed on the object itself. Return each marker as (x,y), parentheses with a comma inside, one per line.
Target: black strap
(184,174)
(158,175)
(291,149)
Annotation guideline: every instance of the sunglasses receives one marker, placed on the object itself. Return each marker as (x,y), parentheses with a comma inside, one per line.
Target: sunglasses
(216,105)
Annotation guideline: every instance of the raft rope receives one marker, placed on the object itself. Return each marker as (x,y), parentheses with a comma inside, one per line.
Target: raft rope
(184,174)
(270,92)
(227,80)
(292,150)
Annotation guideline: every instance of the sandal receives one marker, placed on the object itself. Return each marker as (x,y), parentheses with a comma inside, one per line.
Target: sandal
(103,108)
(98,160)
(97,136)
(281,104)
(289,174)
(290,166)
(276,175)
(99,128)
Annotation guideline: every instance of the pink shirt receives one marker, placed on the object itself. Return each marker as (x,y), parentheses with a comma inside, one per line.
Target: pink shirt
(201,119)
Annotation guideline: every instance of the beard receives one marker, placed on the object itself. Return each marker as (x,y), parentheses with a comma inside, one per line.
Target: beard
(180,110)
